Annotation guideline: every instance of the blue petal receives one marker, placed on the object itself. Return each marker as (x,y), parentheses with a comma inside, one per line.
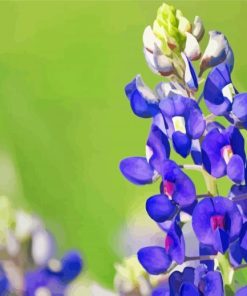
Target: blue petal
(71,266)
(154,259)
(137,170)
(188,289)
(184,190)
(177,278)
(217,79)
(212,159)
(236,169)
(221,240)
(195,123)
(159,145)
(235,254)
(190,74)
(181,143)
(207,250)
(160,208)
(212,284)
(239,106)
(242,291)
(143,104)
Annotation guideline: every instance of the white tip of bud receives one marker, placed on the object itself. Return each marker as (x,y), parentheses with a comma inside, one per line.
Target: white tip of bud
(198,28)
(192,47)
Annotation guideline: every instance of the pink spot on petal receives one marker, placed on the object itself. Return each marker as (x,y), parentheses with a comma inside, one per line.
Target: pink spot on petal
(217,221)
(168,242)
(169,188)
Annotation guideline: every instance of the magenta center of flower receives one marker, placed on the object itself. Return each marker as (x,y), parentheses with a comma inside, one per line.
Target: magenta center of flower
(168,242)
(217,221)
(227,153)
(169,188)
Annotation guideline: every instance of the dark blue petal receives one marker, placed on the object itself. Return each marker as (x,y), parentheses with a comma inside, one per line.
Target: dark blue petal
(188,289)
(235,254)
(181,143)
(236,169)
(158,146)
(196,152)
(144,104)
(239,106)
(207,250)
(71,266)
(237,141)
(137,170)
(177,278)
(221,238)
(154,259)
(217,79)
(160,208)
(190,74)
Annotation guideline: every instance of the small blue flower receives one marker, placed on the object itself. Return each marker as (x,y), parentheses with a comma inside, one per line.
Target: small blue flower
(217,222)
(222,98)
(242,291)
(177,185)
(156,259)
(196,282)
(54,277)
(223,154)
(4,283)
(183,120)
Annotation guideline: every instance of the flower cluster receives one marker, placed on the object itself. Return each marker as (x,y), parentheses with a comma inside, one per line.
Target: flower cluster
(28,262)
(217,150)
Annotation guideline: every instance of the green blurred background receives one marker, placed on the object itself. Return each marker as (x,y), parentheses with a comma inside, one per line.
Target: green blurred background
(64,120)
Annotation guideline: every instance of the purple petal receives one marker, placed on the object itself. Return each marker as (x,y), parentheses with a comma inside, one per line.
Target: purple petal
(176,244)
(160,208)
(239,106)
(188,289)
(242,291)
(212,284)
(142,100)
(236,169)
(217,79)
(195,124)
(181,143)
(158,146)
(211,153)
(221,238)
(137,170)
(71,266)
(154,259)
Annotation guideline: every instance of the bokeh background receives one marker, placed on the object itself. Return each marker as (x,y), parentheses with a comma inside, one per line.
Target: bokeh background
(65,122)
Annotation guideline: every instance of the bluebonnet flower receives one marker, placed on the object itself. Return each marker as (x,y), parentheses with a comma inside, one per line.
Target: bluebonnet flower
(223,153)
(156,259)
(222,98)
(196,282)
(184,122)
(54,277)
(177,192)
(217,222)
